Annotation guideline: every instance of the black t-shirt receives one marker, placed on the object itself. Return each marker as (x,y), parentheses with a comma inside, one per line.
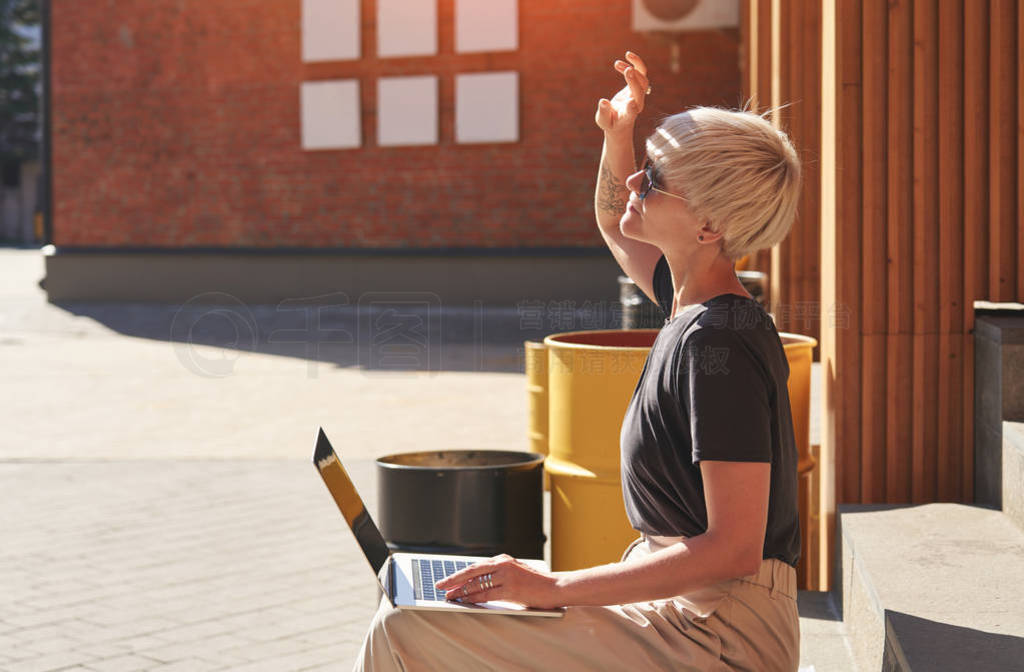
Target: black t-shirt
(713,388)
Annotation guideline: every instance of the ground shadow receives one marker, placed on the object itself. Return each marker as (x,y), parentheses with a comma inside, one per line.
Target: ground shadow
(397,336)
(913,643)
(817,604)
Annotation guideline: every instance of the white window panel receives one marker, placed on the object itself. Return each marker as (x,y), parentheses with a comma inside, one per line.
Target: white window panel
(406,27)
(330,30)
(486,25)
(487,107)
(407,110)
(330,114)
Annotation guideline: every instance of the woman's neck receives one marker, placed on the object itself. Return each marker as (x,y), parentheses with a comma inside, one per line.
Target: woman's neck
(698,279)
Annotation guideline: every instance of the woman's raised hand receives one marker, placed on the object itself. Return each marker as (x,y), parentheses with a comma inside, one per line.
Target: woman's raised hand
(619,114)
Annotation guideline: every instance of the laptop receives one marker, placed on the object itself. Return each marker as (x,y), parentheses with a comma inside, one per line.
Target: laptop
(407,579)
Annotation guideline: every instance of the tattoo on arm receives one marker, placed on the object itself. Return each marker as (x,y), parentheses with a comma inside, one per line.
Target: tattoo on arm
(612,195)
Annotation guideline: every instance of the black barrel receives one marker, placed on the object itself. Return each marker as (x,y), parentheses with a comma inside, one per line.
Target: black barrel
(755,283)
(463,502)
(638,311)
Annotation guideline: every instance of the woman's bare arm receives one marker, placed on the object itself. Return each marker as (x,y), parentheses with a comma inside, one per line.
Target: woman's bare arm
(737,501)
(617,118)
(736,495)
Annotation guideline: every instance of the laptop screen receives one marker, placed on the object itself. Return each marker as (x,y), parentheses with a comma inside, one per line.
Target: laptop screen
(350,503)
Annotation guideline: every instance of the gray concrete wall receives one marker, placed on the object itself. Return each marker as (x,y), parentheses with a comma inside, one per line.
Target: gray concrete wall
(1013,472)
(998,395)
(445,279)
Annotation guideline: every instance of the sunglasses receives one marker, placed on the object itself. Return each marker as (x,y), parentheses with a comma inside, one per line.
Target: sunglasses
(647,185)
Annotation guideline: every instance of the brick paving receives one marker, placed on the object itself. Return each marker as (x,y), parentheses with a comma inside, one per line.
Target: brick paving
(159,513)
(178,565)
(155,517)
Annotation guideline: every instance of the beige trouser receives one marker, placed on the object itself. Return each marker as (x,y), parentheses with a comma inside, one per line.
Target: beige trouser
(740,624)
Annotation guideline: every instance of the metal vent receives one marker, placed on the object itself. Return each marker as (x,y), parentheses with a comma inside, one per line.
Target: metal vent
(681,15)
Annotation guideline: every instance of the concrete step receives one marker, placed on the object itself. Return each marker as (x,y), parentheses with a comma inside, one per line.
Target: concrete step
(1013,472)
(932,587)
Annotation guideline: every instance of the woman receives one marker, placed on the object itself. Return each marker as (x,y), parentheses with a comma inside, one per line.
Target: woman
(708,455)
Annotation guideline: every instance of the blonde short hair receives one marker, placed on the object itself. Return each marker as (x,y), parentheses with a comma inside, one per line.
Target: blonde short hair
(735,170)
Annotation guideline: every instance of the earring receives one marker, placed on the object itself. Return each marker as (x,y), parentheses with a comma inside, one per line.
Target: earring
(700,237)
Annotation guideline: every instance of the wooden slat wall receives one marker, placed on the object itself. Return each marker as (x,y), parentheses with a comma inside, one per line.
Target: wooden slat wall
(806,256)
(924,271)
(756,64)
(780,86)
(950,271)
(975,28)
(847,289)
(788,82)
(873,267)
(1003,224)
(845,168)
(898,230)
(921,169)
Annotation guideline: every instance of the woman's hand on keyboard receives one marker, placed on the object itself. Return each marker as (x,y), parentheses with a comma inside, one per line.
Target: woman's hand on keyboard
(502,578)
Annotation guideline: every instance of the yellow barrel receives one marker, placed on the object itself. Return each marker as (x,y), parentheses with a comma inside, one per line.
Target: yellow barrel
(537,399)
(591,378)
(799,350)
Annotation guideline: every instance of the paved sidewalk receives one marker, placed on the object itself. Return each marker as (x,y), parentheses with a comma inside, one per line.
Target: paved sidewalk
(178,565)
(159,507)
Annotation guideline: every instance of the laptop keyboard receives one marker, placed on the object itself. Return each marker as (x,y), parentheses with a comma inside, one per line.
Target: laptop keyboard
(426,572)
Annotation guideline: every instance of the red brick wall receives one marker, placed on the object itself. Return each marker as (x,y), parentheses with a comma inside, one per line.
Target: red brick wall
(176,123)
